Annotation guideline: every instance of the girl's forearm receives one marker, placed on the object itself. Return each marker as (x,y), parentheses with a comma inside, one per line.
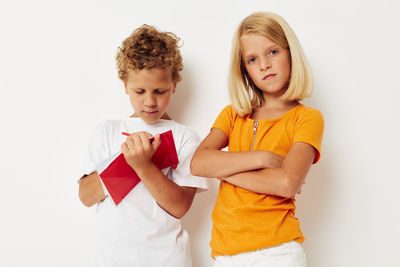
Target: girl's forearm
(267,181)
(215,163)
(285,181)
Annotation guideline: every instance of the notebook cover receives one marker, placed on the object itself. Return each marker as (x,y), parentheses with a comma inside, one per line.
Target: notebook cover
(119,178)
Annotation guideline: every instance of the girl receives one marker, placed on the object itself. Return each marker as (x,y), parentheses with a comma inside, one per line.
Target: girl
(272,138)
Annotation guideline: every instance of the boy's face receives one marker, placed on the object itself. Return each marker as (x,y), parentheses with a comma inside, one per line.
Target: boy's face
(150,92)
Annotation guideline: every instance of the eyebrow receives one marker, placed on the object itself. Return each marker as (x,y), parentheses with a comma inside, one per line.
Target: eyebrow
(140,88)
(269,47)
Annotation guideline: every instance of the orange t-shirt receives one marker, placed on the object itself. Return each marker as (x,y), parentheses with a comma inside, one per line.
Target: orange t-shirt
(244,220)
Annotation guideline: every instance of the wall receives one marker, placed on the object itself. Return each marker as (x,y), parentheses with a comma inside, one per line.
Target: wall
(58,80)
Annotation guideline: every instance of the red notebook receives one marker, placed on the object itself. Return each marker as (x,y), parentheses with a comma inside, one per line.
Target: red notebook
(119,178)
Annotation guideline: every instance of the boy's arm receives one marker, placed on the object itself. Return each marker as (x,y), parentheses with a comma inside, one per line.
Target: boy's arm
(174,199)
(210,161)
(91,190)
(285,181)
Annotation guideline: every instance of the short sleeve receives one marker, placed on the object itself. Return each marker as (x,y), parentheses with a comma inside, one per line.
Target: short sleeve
(185,150)
(97,152)
(225,120)
(309,129)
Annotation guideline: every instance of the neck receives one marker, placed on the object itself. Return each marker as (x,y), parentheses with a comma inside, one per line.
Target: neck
(271,109)
(164,116)
(277,103)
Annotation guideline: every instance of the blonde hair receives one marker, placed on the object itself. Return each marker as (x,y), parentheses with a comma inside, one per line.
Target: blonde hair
(244,93)
(148,48)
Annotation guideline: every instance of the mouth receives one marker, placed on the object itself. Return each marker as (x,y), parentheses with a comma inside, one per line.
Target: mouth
(269,76)
(150,112)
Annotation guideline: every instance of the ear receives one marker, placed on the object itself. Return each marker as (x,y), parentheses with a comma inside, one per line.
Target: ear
(126,88)
(174,87)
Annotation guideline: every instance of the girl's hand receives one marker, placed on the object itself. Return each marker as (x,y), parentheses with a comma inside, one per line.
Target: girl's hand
(299,192)
(271,160)
(138,150)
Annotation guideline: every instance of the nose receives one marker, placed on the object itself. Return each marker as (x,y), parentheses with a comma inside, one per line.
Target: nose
(264,64)
(150,100)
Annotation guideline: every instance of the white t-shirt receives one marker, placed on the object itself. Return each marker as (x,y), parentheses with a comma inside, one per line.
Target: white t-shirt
(138,232)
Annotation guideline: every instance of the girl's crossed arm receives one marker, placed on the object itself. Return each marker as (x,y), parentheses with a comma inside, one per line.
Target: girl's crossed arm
(259,171)
(284,181)
(210,161)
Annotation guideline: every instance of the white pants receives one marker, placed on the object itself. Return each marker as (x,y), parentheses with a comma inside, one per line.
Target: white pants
(289,254)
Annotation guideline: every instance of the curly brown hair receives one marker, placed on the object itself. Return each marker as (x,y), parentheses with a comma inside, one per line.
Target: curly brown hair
(148,48)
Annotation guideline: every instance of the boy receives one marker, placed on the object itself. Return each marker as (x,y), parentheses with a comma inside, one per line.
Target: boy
(144,229)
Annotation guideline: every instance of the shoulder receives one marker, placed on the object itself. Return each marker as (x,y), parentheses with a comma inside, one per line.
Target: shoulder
(230,110)
(183,132)
(309,113)
(308,119)
(108,126)
(110,130)
(227,113)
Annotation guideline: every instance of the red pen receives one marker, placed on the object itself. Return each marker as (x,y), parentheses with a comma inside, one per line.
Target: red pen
(128,134)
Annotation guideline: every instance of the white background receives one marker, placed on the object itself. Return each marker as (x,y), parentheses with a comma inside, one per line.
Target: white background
(58,80)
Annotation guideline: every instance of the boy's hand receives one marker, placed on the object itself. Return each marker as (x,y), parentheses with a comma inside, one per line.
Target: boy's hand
(138,150)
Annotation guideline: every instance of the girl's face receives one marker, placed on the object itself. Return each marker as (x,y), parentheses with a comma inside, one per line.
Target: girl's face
(150,92)
(267,63)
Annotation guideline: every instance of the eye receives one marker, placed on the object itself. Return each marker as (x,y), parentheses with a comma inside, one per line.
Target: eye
(139,91)
(251,60)
(160,92)
(273,52)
